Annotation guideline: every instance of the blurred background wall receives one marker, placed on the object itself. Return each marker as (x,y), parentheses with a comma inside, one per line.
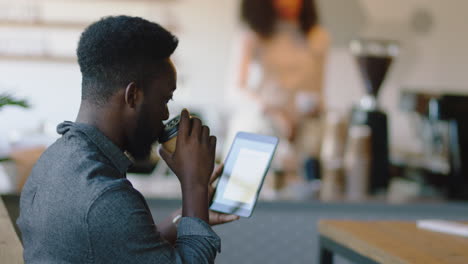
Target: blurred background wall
(38,39)
(43,68)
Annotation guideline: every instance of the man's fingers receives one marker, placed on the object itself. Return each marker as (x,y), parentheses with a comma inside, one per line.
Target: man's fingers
(225,218)
(196,128)
(205,135)
(184,124)
(216,173)
(219,218)
(213,144)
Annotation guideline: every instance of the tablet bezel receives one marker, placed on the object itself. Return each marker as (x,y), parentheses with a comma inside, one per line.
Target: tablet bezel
(240,210)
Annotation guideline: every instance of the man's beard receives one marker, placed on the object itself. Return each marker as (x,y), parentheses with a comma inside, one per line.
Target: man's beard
(140,143)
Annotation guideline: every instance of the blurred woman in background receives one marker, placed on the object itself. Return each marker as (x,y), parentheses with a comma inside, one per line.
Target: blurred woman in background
(289,47)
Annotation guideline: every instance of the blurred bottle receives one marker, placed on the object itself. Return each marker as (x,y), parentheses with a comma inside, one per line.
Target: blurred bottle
(357,163)
(331,157)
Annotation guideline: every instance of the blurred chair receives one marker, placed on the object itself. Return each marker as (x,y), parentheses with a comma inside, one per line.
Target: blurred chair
(11,250)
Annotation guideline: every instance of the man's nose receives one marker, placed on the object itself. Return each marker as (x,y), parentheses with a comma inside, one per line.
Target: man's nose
(166,113)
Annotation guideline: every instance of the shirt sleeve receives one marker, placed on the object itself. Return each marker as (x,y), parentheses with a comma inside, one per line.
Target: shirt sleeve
(121,230)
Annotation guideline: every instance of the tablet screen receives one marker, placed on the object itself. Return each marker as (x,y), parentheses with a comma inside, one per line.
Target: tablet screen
(244,170)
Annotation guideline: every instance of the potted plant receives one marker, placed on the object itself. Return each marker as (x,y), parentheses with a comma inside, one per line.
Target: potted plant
(6,166)
(7,99)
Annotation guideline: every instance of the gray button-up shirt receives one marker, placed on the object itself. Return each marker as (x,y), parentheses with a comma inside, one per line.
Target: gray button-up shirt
(78,207)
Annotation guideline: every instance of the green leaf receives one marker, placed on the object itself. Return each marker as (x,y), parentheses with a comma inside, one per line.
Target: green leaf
(8,99)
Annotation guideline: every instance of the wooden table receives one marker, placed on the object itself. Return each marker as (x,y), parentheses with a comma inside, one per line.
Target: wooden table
(388,242)
(11,250)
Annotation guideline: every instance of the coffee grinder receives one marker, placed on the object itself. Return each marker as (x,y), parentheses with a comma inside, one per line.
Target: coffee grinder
(374,58)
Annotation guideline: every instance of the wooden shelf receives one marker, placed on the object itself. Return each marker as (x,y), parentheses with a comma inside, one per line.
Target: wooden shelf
(43,24)
(38,58)
(54,25)
(100,1)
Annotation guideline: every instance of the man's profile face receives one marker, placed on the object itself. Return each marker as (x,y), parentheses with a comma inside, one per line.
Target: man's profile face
(153,111)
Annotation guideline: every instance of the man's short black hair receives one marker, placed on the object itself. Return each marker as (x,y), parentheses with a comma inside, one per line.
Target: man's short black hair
(118,50)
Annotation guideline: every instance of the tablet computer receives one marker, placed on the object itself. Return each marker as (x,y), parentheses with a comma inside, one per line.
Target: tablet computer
(245,168)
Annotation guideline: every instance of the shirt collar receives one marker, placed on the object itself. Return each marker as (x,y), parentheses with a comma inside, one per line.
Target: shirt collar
(108,148)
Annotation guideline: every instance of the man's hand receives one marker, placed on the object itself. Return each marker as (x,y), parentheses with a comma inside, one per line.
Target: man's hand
(193,163)
(215,217)
(167,227)
(193,159)
(220,218)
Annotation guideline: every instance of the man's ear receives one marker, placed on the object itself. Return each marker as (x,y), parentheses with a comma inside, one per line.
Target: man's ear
(133,95)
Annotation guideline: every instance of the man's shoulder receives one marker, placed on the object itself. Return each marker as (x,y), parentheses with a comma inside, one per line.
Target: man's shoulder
(116,190)
(76,168)
(74,154)
(73,144)
(117,195)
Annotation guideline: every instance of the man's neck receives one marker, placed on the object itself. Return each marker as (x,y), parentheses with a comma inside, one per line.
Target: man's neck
(104,120)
